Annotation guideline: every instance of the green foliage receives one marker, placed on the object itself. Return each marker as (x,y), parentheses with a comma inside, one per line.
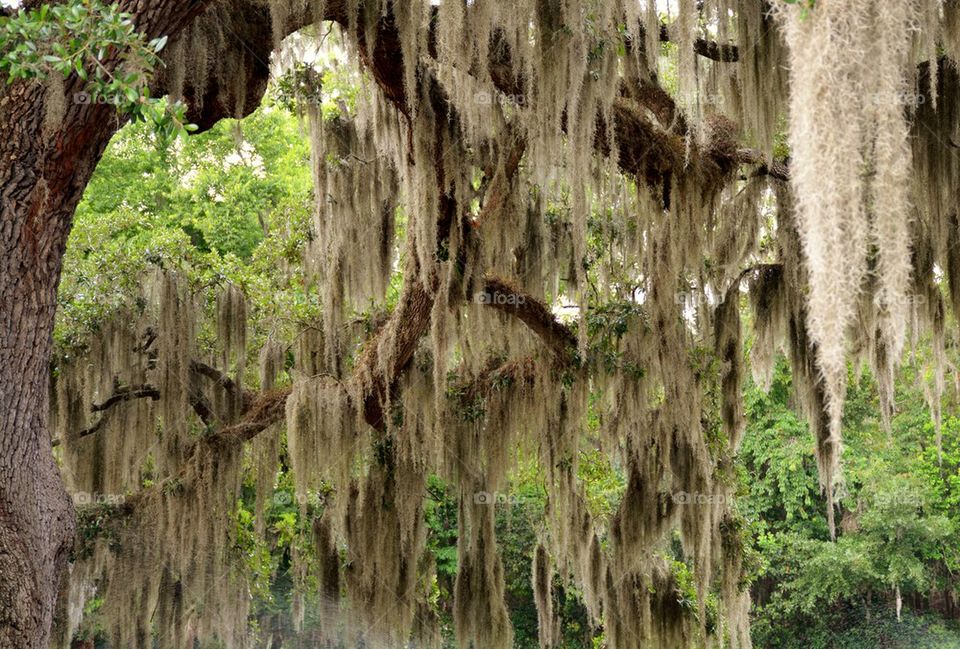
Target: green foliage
(777,451)
(233,203)
(92,625)
(441,516)
(519,521)
(898,529)
(269,559)
(74,37)
(603,484)
(96,521)
(606,325)
(101,45)
(863,626)
(806,6)
(326,82)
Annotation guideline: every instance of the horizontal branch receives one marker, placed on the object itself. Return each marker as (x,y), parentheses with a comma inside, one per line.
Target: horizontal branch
(120,395)
(198,402)
(507,298)
(126,394)
(100,423)
(408,324)
(720,52)
(515,373)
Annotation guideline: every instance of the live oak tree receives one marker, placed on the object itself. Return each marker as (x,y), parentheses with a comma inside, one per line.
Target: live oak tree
(539,152)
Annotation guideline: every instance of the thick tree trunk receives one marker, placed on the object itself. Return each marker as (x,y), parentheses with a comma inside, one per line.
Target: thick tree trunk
(36,518)
(42,177)
(43,172)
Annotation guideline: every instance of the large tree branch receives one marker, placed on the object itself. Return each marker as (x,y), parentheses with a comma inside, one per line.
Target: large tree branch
(407,325)
(652,150)
(267,409)
(507,298)
(515,373)
(404,330)
(647,151)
